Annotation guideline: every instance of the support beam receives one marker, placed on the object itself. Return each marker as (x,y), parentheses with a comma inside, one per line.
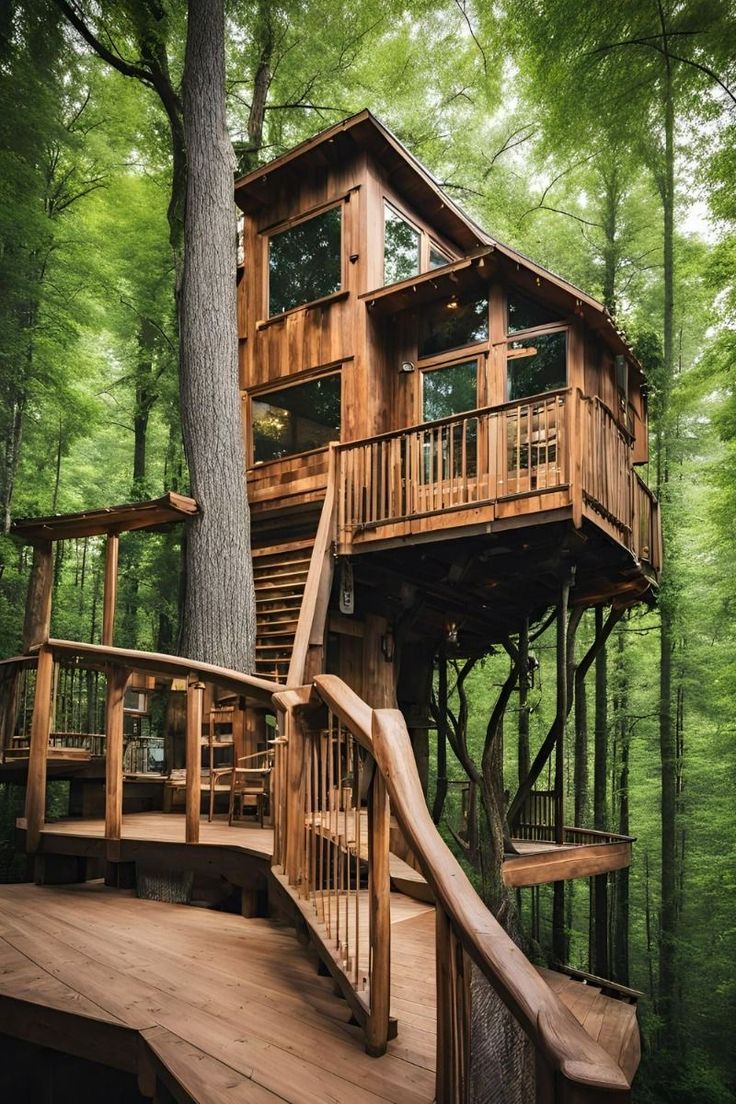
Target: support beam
(37,620)
(117,680)
(36,785)
(561,715)
(195,692)
(112,547)
(556,732)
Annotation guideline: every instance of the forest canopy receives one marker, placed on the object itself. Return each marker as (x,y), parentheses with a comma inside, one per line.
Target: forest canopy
(598,139)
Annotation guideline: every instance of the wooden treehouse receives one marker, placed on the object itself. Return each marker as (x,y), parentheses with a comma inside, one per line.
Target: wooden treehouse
(442,445)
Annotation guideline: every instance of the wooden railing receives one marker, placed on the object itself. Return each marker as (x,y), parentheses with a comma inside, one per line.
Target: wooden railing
(115,665)
(539,819)
(467,460)
(340,763)
(561,442)
(331,848)
(76,711)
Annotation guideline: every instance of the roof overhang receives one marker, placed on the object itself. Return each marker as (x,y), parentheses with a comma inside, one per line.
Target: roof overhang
(462,277)
(152,514)
(363,131)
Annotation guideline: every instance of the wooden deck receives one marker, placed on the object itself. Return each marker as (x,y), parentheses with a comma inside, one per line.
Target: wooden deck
(227,1009)
(150,835)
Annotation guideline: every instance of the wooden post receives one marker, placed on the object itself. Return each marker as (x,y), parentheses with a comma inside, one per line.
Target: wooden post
(445,1034)
(117,678)
(294,798)
(376,1028)
(36,785)
(37,620)
(562,678)
(194,760)
(111,588)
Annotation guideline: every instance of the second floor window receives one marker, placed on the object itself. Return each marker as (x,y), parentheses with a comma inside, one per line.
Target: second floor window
(402,245)
(536,365)
(450,390)
(305,261)
(451,325)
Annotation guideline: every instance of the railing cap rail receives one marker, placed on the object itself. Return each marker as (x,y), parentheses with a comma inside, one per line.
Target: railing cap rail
(262,690)
(466,415)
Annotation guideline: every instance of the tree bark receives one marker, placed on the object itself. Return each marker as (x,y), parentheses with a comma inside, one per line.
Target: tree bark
(219,606)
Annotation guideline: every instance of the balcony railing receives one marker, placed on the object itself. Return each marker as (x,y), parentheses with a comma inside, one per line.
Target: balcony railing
(558,450)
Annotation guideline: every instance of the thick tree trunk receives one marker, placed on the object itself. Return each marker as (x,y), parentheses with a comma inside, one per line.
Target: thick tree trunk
(667,741)
(219,608)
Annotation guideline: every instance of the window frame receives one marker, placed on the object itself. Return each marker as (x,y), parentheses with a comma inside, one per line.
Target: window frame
(409,222)
(445,353)
(427,237)
(527,335)
(289,224)
(257,394)
(441,362)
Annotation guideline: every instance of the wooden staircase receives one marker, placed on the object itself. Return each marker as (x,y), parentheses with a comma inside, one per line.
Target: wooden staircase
(280,573)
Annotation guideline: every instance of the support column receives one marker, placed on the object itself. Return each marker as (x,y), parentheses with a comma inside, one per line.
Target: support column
(117,679)
(112,547)
(195,691)
(36,785)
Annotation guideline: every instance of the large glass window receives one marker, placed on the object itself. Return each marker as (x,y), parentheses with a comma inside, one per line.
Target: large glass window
(536,365)
(305,262)
(448,391)
(401,248)
(524,314)
(451,325)
(296,419)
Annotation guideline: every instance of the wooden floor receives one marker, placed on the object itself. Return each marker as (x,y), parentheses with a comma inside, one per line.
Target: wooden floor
(169,828)
(233,1009)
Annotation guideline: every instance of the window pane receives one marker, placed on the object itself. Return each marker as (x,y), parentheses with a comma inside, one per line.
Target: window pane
(400,248)
(543,368)
(525,313)
(448,391)
(437,258)
(296,419)
(451,325)
(304,262)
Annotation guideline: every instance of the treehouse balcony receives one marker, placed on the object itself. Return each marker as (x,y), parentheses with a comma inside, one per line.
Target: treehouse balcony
(559,456)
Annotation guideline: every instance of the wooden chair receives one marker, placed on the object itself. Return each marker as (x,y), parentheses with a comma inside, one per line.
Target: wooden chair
(250,784)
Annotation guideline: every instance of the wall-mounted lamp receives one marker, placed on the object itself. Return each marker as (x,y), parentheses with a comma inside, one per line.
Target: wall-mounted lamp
(451,633)
(407,366)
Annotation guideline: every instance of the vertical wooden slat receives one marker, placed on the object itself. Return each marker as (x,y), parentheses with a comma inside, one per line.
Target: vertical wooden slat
(193,760)
(117,679)
(35,809)
(380,918)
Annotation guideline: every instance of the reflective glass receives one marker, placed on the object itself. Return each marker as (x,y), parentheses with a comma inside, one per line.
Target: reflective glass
(304,262)
(450,325)
(542,368)
(401,244)
(296,419)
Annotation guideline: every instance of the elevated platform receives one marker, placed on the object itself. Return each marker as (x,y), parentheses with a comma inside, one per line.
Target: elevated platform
(218,1008)
(215,1007)
(158,837)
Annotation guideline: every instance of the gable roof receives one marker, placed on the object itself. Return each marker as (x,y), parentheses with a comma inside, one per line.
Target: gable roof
(414,181)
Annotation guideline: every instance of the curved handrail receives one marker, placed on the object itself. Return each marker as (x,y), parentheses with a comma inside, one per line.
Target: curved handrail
(549,1024)
(261,690)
